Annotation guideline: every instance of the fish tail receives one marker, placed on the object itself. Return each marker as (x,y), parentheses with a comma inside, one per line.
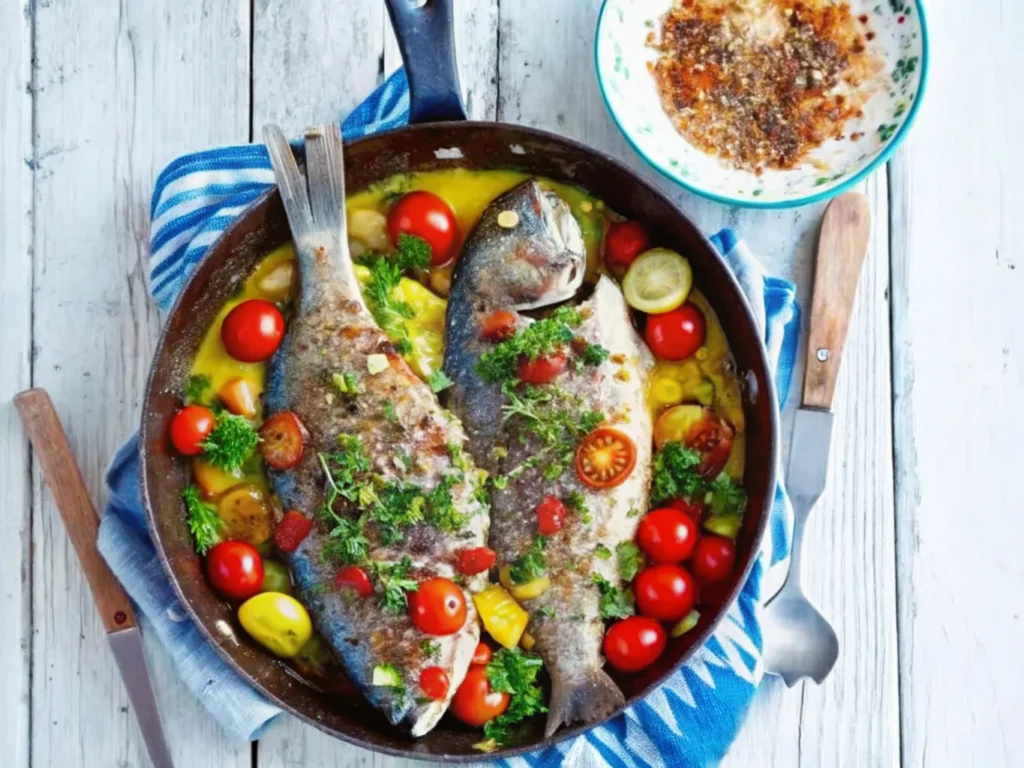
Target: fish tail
(583,698)
(315,204)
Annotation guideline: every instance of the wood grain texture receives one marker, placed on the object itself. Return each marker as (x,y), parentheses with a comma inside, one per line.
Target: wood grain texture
(842,247)
(15,375)
(121,88)
(64,479)
(958,341)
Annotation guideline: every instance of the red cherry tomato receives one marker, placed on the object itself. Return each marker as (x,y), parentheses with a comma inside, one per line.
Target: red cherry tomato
(293,528)
(252,331)
(677,334)
(235,569)
(498,326)
(434,683)
(437,607)
(624,242)
(634,643)
(425,215)
(605,458)
(482,654)
(355,578)
(694,510)
(282,438)
(550,516)
(474,703)
(713,558)
(667,535)
(476,560)
(712,439)
(665,592)
(543,369)
(189,427)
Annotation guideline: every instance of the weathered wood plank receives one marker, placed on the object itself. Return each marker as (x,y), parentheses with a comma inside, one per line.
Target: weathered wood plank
(15,372)
(120,89)
(282,63)
(546,80)
(958,341)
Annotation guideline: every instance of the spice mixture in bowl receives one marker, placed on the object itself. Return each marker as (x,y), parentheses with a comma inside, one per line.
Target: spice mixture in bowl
(762,102)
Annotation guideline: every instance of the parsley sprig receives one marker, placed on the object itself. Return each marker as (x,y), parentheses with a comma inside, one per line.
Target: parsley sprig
(394,582)
(412,254)
(514,671)
(531,564)
(615,603)
(231,442)
(203,521)
(676,477)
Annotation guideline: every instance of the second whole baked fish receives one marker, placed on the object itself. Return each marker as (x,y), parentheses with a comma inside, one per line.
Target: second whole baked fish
(528,435)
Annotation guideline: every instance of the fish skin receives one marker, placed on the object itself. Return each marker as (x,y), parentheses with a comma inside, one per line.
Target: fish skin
(569,641)
(332,331)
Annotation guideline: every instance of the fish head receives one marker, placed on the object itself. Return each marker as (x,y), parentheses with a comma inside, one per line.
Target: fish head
(528,251)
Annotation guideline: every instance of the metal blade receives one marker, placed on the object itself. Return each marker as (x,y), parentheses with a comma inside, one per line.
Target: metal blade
(808,457)
(127,648)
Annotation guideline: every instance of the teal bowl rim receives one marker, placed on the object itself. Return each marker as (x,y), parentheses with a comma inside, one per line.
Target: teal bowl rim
(880,159)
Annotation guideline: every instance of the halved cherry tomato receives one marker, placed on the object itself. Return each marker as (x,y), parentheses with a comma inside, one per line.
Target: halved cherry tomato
(634,643)
(476,560)
(713,558)
(605,458)
(550,516)
(543,369)
(667,535)
(237,397)
(293,528)
(677,334)
(475,703)
(282,438)
(189,427)
(624,242)
(482,654)
(694,510)
(235,569)
(252,331)
(437,607)
(712,439)
(434,683)
(665,592)
(355,578)
(425,215)
(498,326)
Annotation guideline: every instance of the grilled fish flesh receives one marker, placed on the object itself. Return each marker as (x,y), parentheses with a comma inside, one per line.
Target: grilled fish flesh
(392,420)
(537,263)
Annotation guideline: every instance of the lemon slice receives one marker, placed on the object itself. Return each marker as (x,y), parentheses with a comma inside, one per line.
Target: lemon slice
(658,281)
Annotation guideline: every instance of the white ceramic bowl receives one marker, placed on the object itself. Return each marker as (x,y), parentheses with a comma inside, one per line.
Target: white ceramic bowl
(622,56)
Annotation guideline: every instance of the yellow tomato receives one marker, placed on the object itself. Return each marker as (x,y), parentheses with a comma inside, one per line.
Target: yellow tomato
(675,424)
(245,515)
(276,621)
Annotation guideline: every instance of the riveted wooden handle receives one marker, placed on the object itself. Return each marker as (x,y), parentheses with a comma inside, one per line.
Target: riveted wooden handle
(50,446)
(841,250)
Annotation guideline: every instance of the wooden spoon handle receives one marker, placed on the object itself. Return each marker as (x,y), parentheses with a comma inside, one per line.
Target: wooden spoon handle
(841,250)
(61,473)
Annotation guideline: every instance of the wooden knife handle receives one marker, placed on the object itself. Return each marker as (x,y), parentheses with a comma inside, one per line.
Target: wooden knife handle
(61,473)
(841,250)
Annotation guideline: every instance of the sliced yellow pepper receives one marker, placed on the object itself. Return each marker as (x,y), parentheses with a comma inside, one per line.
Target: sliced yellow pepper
(501,615)
(527,641)
(529,590)
(213,481)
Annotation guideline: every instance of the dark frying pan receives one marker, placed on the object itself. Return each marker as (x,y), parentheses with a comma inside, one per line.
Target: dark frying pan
(426,40)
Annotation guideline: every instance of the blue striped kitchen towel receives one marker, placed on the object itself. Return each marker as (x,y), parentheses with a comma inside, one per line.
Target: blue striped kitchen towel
(690,721)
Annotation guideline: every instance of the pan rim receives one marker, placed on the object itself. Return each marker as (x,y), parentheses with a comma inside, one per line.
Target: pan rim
(564,733)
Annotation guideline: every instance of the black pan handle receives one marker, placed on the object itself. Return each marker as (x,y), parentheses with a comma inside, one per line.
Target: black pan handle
(426,38)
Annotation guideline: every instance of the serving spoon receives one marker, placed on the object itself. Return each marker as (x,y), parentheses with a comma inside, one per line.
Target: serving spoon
(798,641)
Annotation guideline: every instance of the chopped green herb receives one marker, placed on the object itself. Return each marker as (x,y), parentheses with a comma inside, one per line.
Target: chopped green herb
(547,610)
(195,389)
(615,603)
(347,383)
(578,504)
(501,364)
(633,512)
(318,589)
(499,481)
(441,512)
(430,649)
(458,456)
(231,442)
(203,521)
(394,582)
(602,552)
(347,542)
(389,411)
(629,560)
(439,381)
(413,253)
(514,671)
(727,498)
(675,474)
(594,354)
(530,565)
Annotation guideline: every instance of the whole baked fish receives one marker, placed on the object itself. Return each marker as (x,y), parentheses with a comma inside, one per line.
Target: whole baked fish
(537,262)
(382,472)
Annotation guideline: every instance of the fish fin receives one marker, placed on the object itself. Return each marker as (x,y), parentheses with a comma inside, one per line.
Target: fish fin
(585,698)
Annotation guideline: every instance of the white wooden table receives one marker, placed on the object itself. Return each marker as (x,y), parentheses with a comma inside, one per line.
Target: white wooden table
(916,544)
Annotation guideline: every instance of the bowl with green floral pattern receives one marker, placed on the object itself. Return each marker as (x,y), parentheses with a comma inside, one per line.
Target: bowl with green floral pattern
(763,103)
